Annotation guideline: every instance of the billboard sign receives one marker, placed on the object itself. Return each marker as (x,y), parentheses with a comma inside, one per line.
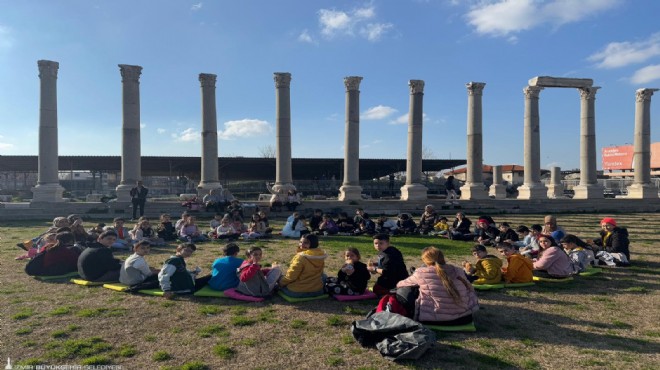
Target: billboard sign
(621,157)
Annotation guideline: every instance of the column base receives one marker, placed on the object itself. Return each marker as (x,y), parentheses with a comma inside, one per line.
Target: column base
(472,191)
(414,192)
(532,191)
(47,193)
(555,191)
(124,193)
(642,191)
(350,192)
(204,187)
(283,188)
(497,191)
(591,191)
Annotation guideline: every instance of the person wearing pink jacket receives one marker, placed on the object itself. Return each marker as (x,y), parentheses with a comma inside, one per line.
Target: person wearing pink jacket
(446,297)
(553,263)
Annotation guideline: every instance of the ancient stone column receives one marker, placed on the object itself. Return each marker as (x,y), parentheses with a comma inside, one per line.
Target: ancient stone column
(555,187)
(209,178)
(131,167)
(351,189)
(283,179)
(588,187)
(48,187)
(413,189)
(474,183)
(532,188)
(642,187)
(497,190)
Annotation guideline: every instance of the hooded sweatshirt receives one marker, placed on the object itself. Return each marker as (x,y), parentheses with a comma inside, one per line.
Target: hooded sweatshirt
(305,270)
(489,270)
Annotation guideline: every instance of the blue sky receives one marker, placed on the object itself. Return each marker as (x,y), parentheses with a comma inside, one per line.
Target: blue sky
(446,43)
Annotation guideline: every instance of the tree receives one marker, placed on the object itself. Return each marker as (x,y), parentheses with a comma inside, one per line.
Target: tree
(427,153)
(267,151)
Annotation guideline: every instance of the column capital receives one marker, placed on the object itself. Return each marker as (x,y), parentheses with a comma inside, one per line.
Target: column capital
(532,92)
(416,86)
(130,72)
(207,79)
(588,92)
(282,79)
(475,88)
(352,83)
(644,94)
(48,68)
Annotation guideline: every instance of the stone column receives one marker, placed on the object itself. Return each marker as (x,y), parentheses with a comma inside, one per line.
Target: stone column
(497,190)
(131,166)
(209,178)
(48,187)
(474,187)
(351,189)
(555,187)
(642,187)
(413,189)
(588,187)
(283,179)
(532,188)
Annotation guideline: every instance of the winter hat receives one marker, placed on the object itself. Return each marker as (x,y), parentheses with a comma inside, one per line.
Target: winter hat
(483,220)
(608,220)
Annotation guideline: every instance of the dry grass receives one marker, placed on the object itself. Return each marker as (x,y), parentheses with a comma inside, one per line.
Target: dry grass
(606,321)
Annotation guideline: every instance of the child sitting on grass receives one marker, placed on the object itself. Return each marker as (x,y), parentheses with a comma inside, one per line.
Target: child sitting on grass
(531,247)
(254,280)
(390,265)
(224,231)
(518,269)
(304,278)
(441,227)
(553,262)
(328,226)
(166,229)
(224,269)
(47,241)
(487,270)
(580,256)
(352,278)
(175,278)
(96,262)
(135,269)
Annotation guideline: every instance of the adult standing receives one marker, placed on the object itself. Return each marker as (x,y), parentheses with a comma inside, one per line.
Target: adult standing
(451,191)
(139,198)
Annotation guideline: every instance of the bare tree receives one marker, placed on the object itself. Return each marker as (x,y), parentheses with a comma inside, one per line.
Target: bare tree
(427,153)
(267,151)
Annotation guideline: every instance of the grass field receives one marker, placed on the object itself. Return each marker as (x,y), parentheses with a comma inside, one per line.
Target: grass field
(608,321)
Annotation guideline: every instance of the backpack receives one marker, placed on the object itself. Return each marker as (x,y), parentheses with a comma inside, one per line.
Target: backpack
(255,287)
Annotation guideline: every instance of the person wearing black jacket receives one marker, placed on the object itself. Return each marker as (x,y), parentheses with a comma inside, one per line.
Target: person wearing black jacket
(486,233)
(614,240)
(390,265)
(506,233)
(139,198)
(96,262)
(460,228)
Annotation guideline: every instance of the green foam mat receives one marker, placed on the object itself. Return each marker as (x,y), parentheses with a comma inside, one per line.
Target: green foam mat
(58,277)
(116,287)
(208,292)
(154,292)
(519,285)
(294,300)
(90,283)
(548,280)
(591,271)
(457,328)
(488,286)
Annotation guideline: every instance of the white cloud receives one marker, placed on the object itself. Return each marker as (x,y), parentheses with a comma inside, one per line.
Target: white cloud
(161,130)
(336,22)
(197,6)
(503,17)
(6,146)
(244,128)
(305,37)
(373,31)
(143,125)
(620,54)
(403,119)
(646,74)
(377,112)
(187,135)
(6,41)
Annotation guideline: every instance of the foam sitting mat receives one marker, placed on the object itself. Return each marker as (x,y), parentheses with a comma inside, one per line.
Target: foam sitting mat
(206,291)
(548,280)
(154,292)
(364,296)
(456,328)
(233,294)
(116,287)
(305,299)
(518,285)
(58,277)
(591,271)
(90,283)
(487,286)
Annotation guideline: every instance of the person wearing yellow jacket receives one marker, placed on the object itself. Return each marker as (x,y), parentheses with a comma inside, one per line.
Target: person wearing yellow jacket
(305,277)
(519,268)
(487,270)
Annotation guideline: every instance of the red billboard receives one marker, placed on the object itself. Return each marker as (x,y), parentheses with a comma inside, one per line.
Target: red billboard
(621,157)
